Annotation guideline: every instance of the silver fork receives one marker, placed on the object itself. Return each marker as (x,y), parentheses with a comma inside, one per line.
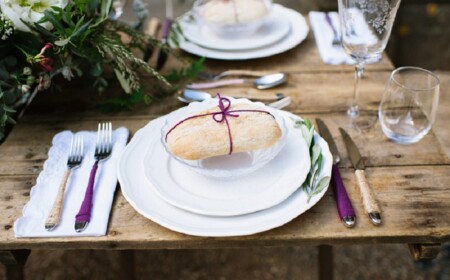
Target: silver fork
(336,37)
(103,148)
(74,160)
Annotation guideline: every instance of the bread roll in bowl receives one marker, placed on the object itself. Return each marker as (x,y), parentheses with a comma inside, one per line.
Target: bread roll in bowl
(250,128)
(203,143)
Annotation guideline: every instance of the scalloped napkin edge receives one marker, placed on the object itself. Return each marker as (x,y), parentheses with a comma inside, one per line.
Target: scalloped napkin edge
(43,194)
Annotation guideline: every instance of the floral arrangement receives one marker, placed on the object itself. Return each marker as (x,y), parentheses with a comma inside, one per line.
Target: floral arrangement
(42,40)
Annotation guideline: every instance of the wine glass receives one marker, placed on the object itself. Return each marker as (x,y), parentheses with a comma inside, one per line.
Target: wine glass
(365,27)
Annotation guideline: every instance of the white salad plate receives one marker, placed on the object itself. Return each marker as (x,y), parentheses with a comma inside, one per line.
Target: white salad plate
(267,186)
(298,30)
(274,29)
(146,200)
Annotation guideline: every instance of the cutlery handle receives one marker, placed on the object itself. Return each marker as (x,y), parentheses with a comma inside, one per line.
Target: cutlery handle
(368,198)
(84,214)
(151,30)
(152,27)
(330,23)
(215,84)
(344,205)
(167,23)
(250,73)
(55,213)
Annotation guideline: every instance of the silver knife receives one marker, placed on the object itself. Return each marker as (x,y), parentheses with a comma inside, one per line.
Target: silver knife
(368,198)
(344,205)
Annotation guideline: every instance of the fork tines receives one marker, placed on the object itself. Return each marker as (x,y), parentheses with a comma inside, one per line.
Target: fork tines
(103,145)
(76,150)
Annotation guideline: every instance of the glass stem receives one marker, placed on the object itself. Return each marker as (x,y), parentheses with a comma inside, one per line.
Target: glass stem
(353,111)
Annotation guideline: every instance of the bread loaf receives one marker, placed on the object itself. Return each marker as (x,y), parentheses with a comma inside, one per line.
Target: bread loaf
(202,137)
(236,11)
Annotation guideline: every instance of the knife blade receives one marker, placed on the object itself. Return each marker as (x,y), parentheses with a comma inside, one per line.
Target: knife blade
(367,196)
(162,57)
(343,203)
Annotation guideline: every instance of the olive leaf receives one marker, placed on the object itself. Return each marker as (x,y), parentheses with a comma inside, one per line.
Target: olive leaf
(313,185)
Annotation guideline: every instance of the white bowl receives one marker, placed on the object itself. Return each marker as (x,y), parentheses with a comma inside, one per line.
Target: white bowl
(224,22)
(226,166)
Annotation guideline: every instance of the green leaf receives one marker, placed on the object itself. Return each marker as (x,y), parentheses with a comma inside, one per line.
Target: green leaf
(307,123)
(105,8)
(81,29)
(8,109)
(62,42)
(321,185)
(123,81)
(315,154)
(307,135)
(10,120)
(53,20)
(42,31)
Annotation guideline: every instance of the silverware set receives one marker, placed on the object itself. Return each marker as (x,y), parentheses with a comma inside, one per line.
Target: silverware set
(103,149)
(345,208)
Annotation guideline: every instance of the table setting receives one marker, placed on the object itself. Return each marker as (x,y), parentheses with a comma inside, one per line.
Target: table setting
(237,191)
(281,30)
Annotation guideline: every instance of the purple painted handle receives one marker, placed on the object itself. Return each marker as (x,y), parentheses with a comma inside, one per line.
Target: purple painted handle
(216,84)
(84,214)
(166,28)
(330,23)
(343,202)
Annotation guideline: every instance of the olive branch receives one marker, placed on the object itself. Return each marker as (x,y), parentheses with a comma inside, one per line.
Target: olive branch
(313,184)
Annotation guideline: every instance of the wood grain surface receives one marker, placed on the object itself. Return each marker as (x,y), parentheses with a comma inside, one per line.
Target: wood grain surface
(410,182)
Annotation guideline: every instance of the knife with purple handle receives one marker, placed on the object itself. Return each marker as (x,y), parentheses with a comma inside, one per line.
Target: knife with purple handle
(162,57)
(344,205)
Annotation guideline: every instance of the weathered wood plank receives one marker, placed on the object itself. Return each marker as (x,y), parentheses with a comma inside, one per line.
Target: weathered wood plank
(414,203)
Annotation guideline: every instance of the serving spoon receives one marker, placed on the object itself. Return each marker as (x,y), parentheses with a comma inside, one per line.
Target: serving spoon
(188,96)
(264,82)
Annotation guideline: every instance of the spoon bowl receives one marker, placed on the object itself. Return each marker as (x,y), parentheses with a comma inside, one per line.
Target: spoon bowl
(270,81)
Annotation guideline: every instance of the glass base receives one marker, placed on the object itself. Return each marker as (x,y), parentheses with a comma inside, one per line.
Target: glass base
(353,112)
(362,121)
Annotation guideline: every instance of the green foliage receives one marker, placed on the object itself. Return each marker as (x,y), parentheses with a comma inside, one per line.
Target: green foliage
(84,42)
(313,184)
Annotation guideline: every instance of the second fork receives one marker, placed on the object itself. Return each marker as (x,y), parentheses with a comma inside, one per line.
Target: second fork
(74,160)
(103,149)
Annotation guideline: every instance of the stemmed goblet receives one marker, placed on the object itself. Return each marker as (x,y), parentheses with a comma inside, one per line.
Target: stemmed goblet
(365,26)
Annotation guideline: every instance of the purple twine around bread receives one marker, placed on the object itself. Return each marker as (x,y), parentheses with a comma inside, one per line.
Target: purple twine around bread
(220,117)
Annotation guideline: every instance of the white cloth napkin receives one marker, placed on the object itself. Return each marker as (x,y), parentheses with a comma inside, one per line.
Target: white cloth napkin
(324,38)
(43,194)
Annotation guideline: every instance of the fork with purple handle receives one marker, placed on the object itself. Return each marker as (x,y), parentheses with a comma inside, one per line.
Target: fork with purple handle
(103,148)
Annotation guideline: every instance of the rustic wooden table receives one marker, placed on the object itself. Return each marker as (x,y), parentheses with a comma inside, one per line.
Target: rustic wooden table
(410,182)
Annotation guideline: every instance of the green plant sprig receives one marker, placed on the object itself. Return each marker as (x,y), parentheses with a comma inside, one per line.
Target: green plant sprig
(313,184)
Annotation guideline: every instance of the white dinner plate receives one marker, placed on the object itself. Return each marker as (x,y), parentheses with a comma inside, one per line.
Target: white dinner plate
(269,185)
(145,200)
(297,33)
(274,28)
